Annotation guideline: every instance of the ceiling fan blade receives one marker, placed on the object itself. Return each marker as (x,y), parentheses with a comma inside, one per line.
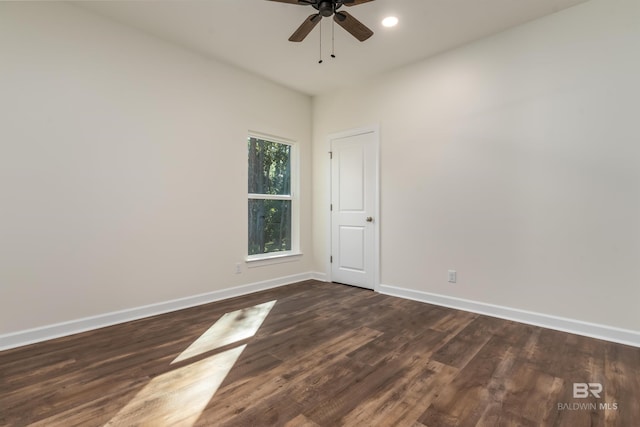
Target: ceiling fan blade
(354,2)
(306,27)
(301,2)
(356,28)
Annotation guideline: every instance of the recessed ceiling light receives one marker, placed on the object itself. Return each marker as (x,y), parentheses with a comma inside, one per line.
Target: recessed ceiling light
(390,21)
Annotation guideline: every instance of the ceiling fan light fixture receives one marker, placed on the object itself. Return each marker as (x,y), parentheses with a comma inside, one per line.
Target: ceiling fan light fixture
(390,21)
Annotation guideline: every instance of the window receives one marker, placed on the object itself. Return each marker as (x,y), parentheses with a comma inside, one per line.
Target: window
(271,199)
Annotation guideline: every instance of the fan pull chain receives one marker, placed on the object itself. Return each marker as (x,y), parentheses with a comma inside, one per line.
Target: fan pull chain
(320,62)
(333,38)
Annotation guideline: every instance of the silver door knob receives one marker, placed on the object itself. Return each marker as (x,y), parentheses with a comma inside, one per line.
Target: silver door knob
(369,219)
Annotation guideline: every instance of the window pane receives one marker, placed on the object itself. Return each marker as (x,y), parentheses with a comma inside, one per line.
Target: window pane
(269,167)
(269,226)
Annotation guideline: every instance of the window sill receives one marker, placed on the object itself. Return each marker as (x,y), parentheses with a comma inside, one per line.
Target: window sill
(262,260)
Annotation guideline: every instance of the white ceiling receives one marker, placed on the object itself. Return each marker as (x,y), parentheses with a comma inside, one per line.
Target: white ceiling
(252,34)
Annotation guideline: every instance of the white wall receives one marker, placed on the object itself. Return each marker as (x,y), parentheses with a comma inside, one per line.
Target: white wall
(123,167)
(516,161)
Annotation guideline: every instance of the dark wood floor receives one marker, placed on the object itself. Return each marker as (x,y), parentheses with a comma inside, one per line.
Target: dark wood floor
(325,355)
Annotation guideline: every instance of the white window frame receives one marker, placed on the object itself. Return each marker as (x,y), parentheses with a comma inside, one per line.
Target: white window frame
(294,254)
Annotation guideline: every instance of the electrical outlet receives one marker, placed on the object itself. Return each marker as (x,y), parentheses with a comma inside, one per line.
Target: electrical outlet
(453,276)
(238,268)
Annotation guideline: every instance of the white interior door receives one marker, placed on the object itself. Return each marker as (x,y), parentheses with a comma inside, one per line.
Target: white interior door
(354,208)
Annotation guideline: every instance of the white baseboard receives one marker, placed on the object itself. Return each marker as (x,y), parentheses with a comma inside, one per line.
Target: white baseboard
(321,277)
(593,330)
(30,336)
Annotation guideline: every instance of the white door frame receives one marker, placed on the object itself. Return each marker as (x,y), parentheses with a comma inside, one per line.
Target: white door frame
(375,129)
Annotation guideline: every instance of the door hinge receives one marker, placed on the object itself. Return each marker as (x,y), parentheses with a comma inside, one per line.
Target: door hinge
(330,154)
(331,207)
(331,259)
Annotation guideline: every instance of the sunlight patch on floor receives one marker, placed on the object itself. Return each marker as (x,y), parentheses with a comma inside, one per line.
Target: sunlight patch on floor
(231,327)
(178,397)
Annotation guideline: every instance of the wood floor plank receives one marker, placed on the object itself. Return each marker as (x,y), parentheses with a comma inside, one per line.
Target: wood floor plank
(325,355)
(462,401)
(301,421)
(409,397)
(622,370)
(532,393)
(463,347)
(369,381)
(236,398)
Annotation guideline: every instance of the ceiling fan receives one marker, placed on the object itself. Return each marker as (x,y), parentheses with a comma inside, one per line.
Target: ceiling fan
(325,9)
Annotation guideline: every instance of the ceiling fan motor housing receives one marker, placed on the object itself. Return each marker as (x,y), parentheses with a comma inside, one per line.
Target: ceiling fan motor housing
(326,8)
